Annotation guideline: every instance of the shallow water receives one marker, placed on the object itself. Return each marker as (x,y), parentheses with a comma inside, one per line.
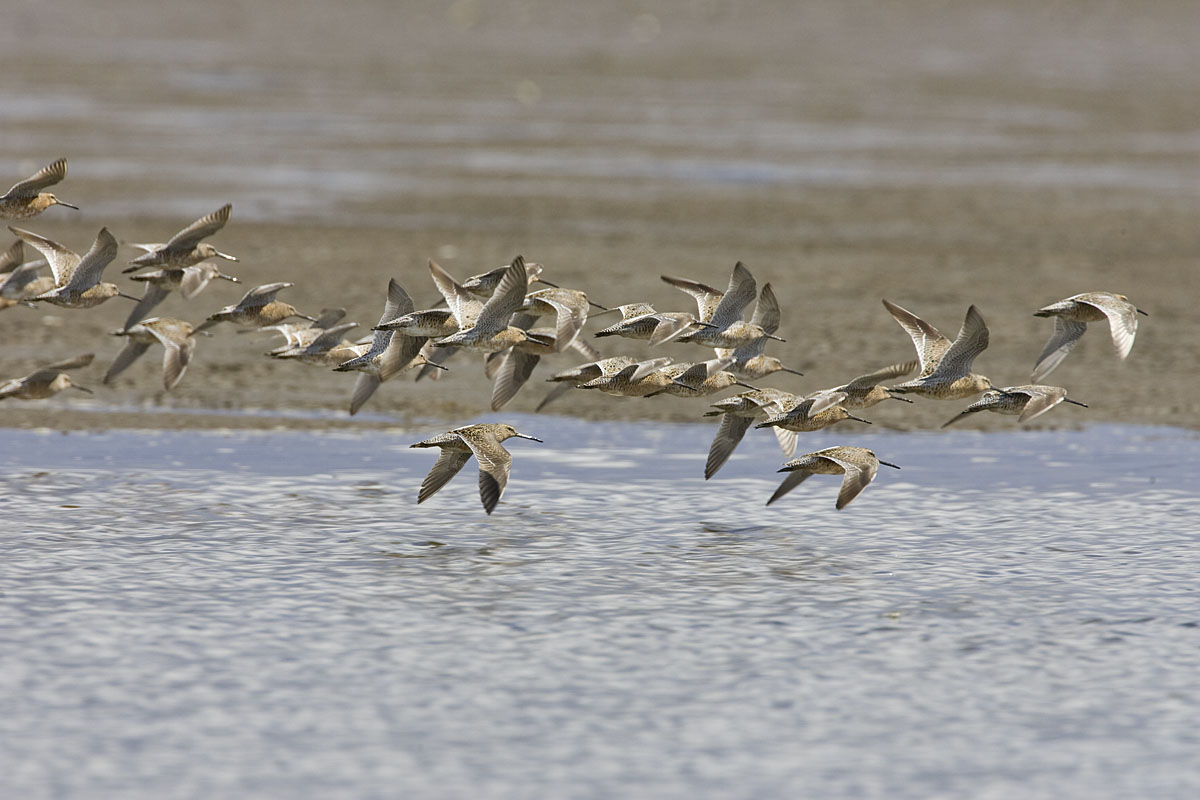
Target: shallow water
(270,614)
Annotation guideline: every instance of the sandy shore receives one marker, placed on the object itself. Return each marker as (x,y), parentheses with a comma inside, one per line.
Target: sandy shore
(829,287)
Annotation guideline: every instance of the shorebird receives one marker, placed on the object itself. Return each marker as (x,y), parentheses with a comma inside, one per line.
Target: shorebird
(568,379)
(945,365)
(641,321)
(1029,401)
(858,464)
(301,334)
(26,199)
(20,281)
(184,248)
(324,348)
(749,361)
(388,353)
(485,285)
(13,257)
(46,381)
(703,379)
(76,279)
(723,310)
(569,307)
(510,369)
(865,390)
(258,308)
(484,442)
(639,379)
(190,281)
(462,309)
(1071,317)
(491,331)
(818,410)
(176,337)
(737,413)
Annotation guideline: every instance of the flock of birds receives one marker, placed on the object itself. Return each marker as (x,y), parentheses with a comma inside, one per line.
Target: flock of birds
(496,314)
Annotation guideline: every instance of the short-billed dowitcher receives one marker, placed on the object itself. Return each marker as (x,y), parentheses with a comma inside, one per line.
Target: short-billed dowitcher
(1029,401)
(818,410)
(46,381)
(485,285)
(723,310)
(190,281)
(388,354)
(76,279)
(704,378)
(510,369)
(325,347)
(461,312)
(26,199)
(185,248)
(945,365)
(491,331)
(176,337)
(639,379)
(641,321)
(258,308)
(569,307)
(857,464)
(737,414)
(302,332)
(1071,317)
(569,379)
(484,442)
(865,391)
(749,360)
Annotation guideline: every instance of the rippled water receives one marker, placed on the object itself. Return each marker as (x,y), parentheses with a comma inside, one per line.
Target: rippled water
(229,614)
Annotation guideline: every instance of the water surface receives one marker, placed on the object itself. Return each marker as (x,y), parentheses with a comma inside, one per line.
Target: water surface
(232,614)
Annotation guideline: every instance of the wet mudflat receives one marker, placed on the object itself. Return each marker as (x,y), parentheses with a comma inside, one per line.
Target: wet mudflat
(270,613)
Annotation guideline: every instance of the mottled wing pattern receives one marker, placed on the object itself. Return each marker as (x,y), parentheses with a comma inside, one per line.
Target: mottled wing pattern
(858,474)
(494,465)
(508,297)
(207,225)
(46,176)
(878,376)
(930,343)
(741,292)
(449,463)
(972,340)
(62,261)
(89,269)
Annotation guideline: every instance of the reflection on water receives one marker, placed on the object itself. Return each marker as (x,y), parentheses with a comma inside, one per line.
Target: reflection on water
(271,614)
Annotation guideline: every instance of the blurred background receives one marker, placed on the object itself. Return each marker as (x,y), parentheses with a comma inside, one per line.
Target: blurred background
(938,154)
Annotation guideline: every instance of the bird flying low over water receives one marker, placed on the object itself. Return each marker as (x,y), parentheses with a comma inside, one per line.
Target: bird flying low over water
(857,464)
(1028,401)
(484,442)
